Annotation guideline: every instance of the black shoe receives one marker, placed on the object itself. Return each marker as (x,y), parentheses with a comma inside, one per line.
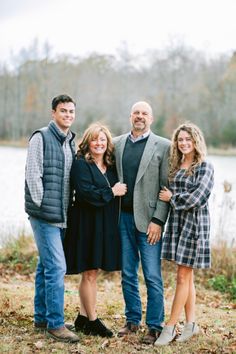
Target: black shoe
(97,328)
(80,323)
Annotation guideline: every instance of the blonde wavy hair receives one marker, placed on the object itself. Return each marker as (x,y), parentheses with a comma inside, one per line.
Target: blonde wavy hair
(176,155)
(90,133)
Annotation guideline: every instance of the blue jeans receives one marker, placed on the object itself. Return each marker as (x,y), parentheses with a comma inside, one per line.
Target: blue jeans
(135,246)
(50,272)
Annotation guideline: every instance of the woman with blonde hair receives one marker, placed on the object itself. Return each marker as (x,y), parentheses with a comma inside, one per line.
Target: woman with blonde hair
(92,240)
(186,239)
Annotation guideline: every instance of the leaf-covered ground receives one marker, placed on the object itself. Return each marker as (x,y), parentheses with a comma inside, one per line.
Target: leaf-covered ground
(216,316)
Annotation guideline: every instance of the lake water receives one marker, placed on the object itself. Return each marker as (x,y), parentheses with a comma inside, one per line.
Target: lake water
(13,219)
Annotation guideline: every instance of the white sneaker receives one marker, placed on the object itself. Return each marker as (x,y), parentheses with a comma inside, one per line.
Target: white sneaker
(190,329)
(167,335)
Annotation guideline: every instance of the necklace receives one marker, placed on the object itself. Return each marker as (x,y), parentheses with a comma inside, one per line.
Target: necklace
(103,170)
(185,164)
(105,176)
(101,166)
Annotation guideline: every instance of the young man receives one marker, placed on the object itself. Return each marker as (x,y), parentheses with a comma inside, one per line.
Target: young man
(142,163)
(50,155)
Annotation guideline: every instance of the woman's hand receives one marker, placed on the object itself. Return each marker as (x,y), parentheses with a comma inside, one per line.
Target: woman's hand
(165,195)
(119,189)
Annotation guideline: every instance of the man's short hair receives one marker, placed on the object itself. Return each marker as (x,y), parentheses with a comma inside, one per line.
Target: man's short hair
(61,99)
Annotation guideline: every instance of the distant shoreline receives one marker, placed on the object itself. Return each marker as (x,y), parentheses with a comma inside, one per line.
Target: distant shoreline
(221,152)
(231,151)
(18,143)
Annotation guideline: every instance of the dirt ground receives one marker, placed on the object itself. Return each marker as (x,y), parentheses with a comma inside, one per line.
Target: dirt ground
(215,314)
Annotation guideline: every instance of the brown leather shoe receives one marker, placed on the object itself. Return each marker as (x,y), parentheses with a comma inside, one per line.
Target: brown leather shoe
(151,336)
(129,328)
(42,326)
(63,335)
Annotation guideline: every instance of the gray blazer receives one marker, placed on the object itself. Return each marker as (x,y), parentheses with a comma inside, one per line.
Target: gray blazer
(152,175)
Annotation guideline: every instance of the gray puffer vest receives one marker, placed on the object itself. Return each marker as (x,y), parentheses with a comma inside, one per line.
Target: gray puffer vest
(52,205)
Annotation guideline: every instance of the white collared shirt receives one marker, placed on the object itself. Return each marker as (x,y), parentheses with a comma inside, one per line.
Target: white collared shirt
(140,137)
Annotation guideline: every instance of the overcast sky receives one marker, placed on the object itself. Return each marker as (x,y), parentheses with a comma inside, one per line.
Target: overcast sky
(79,27)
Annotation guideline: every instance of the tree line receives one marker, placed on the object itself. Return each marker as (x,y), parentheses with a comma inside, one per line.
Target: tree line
(179,82)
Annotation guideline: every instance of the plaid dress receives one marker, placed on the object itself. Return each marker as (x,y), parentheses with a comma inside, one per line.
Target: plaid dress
(186,238)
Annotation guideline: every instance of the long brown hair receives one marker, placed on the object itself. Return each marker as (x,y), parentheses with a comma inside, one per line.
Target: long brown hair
(176,155)
(90,133)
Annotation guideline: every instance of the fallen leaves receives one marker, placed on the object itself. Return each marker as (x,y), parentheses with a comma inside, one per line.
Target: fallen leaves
(215,316)
(39,344)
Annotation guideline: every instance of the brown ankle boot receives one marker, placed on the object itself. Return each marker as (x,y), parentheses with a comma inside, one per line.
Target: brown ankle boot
(129,328)
(63,335)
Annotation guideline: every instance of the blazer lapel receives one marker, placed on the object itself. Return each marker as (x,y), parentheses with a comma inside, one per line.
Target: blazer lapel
(147,156)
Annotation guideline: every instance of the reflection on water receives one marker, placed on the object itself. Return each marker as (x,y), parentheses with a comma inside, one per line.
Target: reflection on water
(14,220)
(222,203)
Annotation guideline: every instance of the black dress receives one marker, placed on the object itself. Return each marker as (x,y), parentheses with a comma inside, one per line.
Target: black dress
(92,240)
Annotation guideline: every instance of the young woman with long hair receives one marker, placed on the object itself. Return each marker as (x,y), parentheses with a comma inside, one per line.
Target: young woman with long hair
(186,238)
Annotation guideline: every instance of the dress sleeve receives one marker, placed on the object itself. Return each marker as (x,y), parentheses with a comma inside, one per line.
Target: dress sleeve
(199,194)
(82,182)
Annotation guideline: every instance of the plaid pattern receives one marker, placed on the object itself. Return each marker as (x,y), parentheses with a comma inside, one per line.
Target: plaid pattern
(34,171)
(186,238)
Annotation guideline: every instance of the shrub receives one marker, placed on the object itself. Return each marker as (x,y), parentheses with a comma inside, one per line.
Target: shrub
(224,285)
(19,255)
